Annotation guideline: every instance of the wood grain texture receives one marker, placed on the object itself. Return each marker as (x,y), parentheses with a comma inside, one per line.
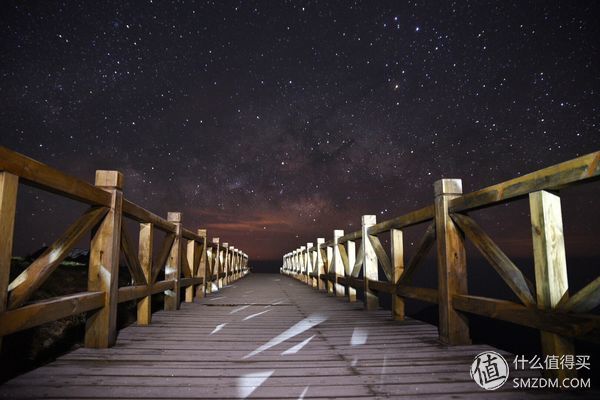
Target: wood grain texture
(552,285)
(9,185)
(40,175)
(578,170)
(23,286)
(452,264)
(338,351)
(103,275)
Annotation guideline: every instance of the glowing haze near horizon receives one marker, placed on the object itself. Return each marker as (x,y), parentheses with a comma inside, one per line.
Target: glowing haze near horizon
(272,123)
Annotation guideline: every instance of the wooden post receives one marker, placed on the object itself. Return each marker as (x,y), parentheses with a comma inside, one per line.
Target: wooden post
(225,263)
(351,250)
(202,265)
(217,266)
(452,267)
(397,270)
(301,263)
(209,262)
(146,243)
(320,265)
(309,263)
(9,185)
(233,263)
(173,267)
(103,273)
(191,255)
(338,265)
(370,270)
(330,270)
(551,280)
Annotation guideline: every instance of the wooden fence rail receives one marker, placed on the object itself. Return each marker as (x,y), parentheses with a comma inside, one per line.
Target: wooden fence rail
(184,261)
(545,304)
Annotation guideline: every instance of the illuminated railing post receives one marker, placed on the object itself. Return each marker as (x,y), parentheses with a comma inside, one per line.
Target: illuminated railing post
(320,265)
(309,263)
(9,185)
(351,251)
(370,270)
(552,285)
(451,261)
(103,274)
(173,267)
(338,265)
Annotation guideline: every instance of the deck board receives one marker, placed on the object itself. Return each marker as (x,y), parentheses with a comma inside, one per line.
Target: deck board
(181,356)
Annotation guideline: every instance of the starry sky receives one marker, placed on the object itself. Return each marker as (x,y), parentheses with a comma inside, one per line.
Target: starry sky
(273,122)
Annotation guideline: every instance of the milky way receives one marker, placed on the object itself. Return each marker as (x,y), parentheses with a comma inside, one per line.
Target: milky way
(271,123)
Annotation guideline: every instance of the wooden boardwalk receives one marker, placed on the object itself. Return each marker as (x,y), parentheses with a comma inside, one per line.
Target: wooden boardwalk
(265,336)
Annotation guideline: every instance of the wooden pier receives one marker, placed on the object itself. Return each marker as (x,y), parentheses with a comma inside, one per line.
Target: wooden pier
(267,336)
(270,336)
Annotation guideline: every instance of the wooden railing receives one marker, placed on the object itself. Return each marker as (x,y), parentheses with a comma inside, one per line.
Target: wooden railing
(335,267)
(185,260)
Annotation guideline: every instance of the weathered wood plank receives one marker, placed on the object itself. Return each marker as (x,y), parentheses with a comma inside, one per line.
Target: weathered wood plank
(585,300)
(452,265)
(40,312)
(552,285)
(145,248)
(35,173)
(571,325)
(9,185)
(23,286)
(163,255)
(131,259)
(103,272)
(142,215)
(404,221)
(507,270)
(578,170)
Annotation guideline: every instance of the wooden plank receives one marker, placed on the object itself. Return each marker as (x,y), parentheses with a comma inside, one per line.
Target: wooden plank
(417,259)
(351,236)
(145,248)
(24,285)
(40,312)
(382,256)
(9,186)
(35,173)
(585,300)
(189,235)
(173,266)
(320,270)
(191,281)
(452,266)
(129,293)
(103,273)
(404,221)
(351,254)
(142,215)
(131,259)
(507,270)
(552,285)
(397,252)
(578,170)
(163,255)
(359,260)
(571,325)
(369,262)
(418,293)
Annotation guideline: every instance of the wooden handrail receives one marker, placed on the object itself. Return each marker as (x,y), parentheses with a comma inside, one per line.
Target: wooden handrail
(183,257)
(546,304)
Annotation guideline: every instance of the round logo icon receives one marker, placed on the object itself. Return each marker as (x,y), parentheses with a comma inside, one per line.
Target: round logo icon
(489,370)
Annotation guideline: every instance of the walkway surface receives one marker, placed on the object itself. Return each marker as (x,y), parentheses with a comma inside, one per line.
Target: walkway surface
(266,336)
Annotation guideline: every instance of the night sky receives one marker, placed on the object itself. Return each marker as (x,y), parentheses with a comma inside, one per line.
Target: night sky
(271,123)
